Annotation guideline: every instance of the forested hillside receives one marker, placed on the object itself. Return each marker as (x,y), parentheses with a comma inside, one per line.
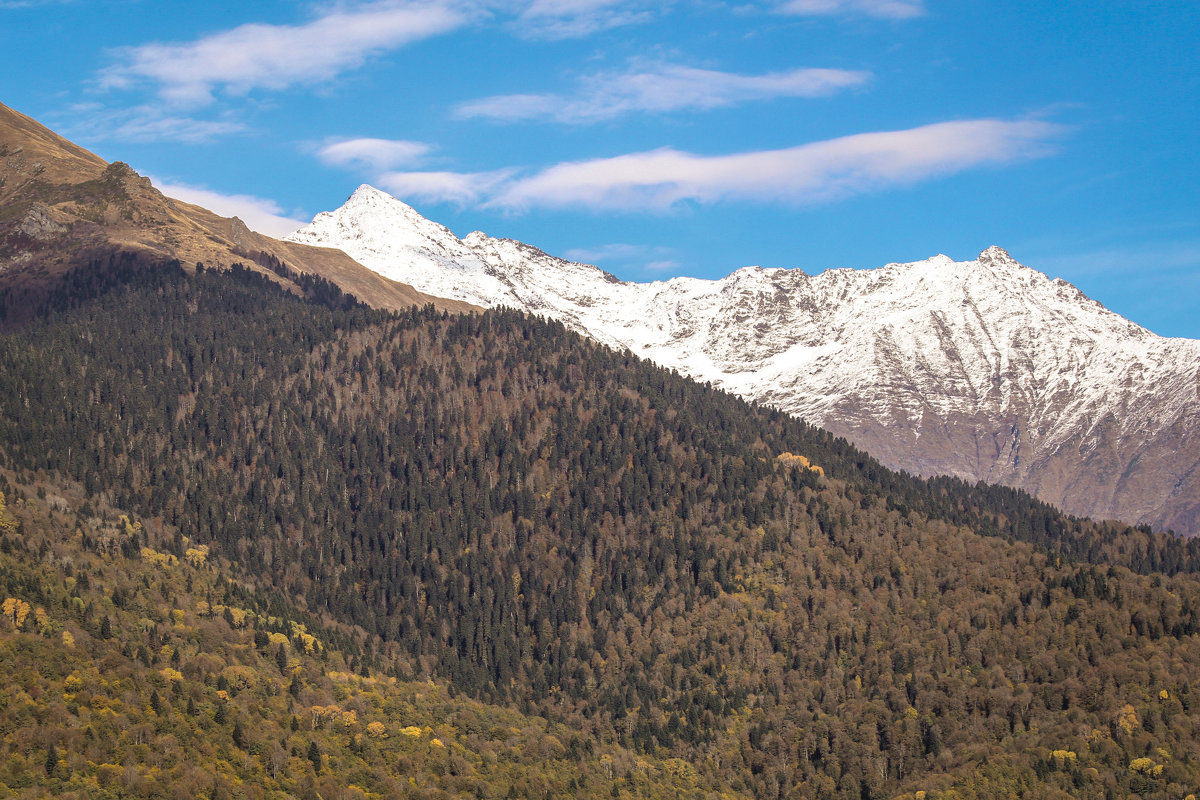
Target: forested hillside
(131,672)
(573,533)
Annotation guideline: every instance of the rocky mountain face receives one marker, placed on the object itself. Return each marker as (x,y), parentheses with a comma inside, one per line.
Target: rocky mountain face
(985,369)
(63,208)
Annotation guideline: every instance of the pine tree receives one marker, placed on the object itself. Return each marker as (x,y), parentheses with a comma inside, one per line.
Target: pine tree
(314,755)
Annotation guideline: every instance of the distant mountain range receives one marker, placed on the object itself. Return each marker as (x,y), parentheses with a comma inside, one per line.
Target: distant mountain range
(986,369)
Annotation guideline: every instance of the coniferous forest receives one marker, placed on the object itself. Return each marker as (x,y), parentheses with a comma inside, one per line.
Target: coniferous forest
(486,523)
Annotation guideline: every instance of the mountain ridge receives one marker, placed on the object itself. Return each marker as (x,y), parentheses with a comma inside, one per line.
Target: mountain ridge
(985,369)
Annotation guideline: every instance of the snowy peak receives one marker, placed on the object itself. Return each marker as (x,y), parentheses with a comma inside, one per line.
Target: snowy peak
(369,208)
(986,369)
(392,238)
(996,255)
(368,195)
(367,202)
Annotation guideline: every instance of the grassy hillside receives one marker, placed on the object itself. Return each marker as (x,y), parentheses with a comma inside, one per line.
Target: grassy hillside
(543,524)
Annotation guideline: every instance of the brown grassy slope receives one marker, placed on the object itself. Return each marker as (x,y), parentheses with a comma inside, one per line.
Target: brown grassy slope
(62,207)
(32,151)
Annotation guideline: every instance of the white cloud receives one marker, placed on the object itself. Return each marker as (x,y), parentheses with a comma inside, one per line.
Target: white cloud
(661,88)
(259,214)
(811,173)
(816,172)
(885,9)
(373,154)
(461,188)
(278,56)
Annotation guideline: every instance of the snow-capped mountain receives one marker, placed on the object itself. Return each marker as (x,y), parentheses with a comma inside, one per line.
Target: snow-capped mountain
(984,369)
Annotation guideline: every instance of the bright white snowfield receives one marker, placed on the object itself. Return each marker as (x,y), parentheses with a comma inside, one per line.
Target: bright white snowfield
(984,369)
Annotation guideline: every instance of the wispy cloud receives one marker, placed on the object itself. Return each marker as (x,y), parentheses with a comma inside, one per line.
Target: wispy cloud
(810,173)
(259,214)
(276,57)
(564,19)
(373,154)
(6,5)
(817,172)
(1167,271)
(460,188)
(1154,258)
(884,9)
(646,259)
(661,88)
(95,122)
(258,56)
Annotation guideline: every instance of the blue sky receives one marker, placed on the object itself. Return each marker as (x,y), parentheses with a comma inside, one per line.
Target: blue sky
(656,139)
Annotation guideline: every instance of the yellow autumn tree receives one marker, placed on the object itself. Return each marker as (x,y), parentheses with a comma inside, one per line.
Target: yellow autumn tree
(16,610)
(1127,719)
(1062,758)
(131,528)
(1145,766)
(8,523)
(197,555)
(792,460)
(320,714)
(160,559)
